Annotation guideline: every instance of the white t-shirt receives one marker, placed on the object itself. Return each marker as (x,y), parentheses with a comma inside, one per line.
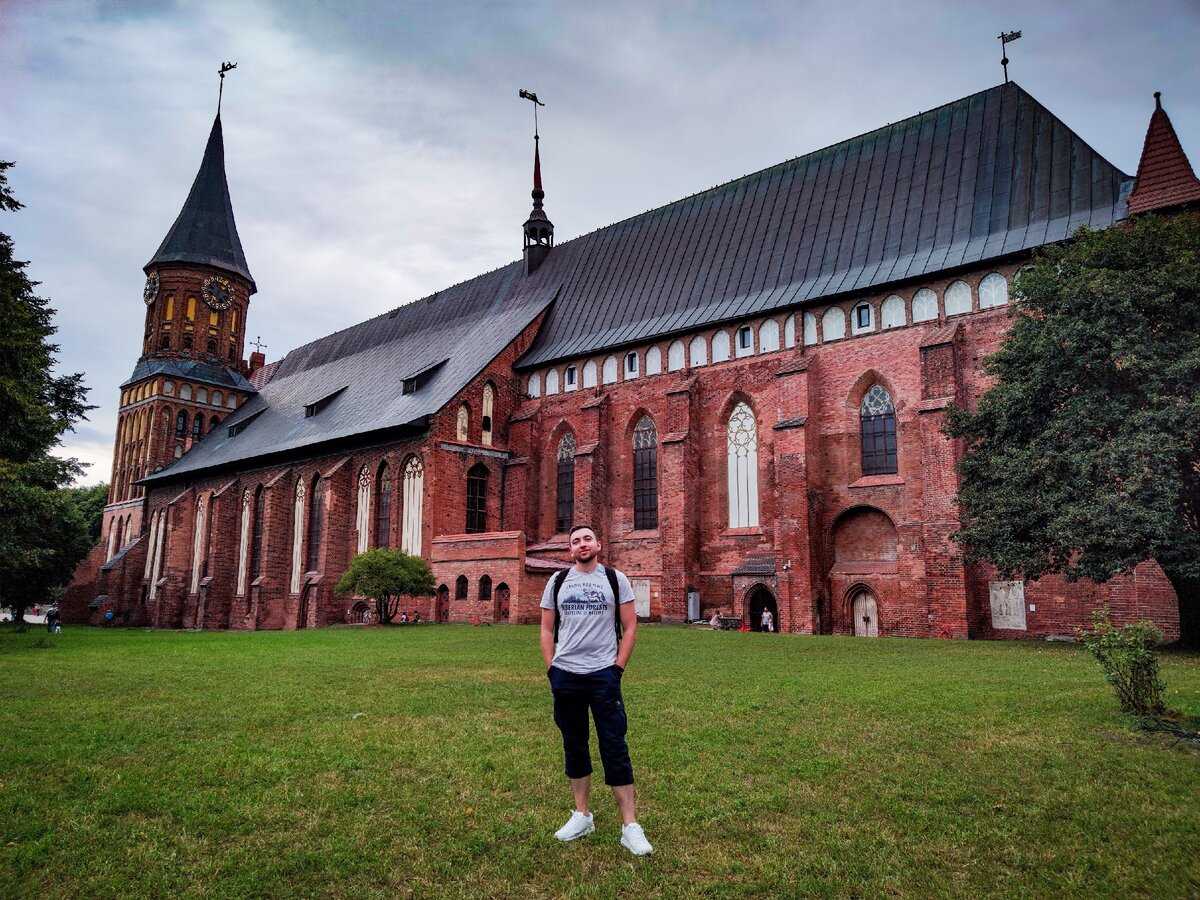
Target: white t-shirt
(587,631)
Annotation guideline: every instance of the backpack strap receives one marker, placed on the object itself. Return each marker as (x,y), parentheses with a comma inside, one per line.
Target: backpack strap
(616,592)
(559,577)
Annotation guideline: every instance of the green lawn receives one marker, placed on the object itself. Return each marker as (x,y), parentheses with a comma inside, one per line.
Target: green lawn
(424,762)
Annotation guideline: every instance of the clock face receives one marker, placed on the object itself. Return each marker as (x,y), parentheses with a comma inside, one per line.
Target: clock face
(150,291)
(217,292)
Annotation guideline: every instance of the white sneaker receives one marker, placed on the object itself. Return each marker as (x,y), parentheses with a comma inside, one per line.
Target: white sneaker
(579,825)
(634,840)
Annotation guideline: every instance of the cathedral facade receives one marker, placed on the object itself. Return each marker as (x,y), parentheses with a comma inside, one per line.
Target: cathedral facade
(742,391)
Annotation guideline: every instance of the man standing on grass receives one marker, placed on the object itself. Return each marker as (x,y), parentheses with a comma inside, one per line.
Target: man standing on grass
(588,629)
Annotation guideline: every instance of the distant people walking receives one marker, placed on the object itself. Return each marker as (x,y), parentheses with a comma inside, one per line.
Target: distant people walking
(52,625)
(768,621)
(589,626)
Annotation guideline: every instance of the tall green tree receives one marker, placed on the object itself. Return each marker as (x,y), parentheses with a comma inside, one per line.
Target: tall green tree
(1083,458)
(385,576)
(90,501)
(42,532)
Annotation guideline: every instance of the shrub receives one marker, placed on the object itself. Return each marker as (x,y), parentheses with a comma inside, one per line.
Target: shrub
(1126,654)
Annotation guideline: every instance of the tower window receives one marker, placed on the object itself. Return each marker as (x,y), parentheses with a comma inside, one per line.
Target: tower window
(164,343)
(211,346)
(191,309)
(181,424)
(197,425)
(170,311)
(187,342)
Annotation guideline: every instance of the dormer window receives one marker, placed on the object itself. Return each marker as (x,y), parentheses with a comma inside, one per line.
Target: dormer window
(238,427)
(631,364)
(311,409)
(409,386)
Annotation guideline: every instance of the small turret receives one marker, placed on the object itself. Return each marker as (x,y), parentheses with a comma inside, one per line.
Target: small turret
(1164,177)
(539,230)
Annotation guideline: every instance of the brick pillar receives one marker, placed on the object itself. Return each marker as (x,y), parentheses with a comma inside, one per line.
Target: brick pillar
(325,605)
(520,511)
(177,557)
(945,574)
(678,467)
(269,602)
(223,557)
(794,561)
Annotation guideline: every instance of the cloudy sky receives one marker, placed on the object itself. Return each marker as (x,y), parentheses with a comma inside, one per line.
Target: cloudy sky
(377,152)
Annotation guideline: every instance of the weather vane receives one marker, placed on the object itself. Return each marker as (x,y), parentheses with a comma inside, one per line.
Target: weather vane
(225,67)
(531,96)
(1005,38)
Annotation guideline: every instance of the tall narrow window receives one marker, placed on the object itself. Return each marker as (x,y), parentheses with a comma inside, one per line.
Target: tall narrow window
(197,425)
(485,423)
(198,543)
(564,506)
(464,422)
(878,426)
(256,537)
(742,433)
(167,316)
(383,507)
(151,543)
(645,474)
(297,536)
(316,524)
(191,309)
(460,588)
(414,497)
(244,541)
(362,514)
(485,589)
(477,482)
(181,424)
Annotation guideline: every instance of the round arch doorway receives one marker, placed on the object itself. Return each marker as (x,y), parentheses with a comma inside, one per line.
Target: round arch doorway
(760,600)
(864,612)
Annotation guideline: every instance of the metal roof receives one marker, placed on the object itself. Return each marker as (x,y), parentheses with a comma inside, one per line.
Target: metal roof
(204,231)
(979,178)
(189,369)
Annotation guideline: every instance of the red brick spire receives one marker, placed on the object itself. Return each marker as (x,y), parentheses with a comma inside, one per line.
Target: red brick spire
(1164,176)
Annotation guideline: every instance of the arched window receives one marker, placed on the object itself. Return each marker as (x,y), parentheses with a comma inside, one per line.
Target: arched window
(485,589)
(464,422)
(810,329)
(768,336)
(185,392)
(789,332)
(191,309)
(256,537)
(460,587)
(217,399)
(589,373)
(214,318)
(477,483)
(170,313)
(362,512)
(201,395)
(653,361)
(675,356)
(698,351)
(958,299)
(877,425)
(297,537)
(231,401)
(243,541)
(211,347)
(610,370)
(383,507)
(564,506)
(198,543)
(414,496)
(316,524)
(645,474)
(197,425)
(924,306)
(993,291)
(892,312)
(485,423)
(181,424)
(742,435)
(720,346)
(552,382)
(833,324)
(533,387)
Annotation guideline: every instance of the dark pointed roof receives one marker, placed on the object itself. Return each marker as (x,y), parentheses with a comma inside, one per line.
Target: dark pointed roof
(1164,177)
(205,231)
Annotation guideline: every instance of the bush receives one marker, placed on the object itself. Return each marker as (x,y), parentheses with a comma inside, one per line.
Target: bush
(385,576)
(1126,655)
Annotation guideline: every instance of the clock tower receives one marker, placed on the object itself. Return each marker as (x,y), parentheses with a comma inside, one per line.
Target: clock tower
(191,373)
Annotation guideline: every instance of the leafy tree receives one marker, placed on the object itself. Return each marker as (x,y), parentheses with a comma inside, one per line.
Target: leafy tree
(385,576)
(43,534)
(1083,458)
(90,502)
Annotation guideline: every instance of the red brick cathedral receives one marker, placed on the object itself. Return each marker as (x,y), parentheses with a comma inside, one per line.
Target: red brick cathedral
(743,390)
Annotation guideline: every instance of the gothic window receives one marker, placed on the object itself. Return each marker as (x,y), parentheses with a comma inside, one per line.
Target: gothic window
(362,511)
(789,332)
(877,416)
(958,299)
(675,356)
(768,336)
(698,351)
(993,291)
(552,382)
(383,507)
(720,346)
(861,319)
(610,370)
(485,589)
(170,313)
(892,312)
(256,537)
(742,439)
(181,424)
(414,496)
(924,306)
(233,320)
(810,329)
(243,542)
(645,474)
(198,543)
(197,425)
(477,483)
(460,587)
(564,506)
(316,523)
(297,535)
(653,361)
(191,309)
(464,422)
(833,324)
(533,387)
(489,403)
(589,373)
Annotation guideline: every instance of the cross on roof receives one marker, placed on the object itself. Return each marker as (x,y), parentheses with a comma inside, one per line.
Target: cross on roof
(258,344)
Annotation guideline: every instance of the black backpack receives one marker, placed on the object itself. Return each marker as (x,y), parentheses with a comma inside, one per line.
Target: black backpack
(561,576)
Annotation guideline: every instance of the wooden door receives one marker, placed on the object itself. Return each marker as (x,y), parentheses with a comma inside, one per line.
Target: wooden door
(866,614)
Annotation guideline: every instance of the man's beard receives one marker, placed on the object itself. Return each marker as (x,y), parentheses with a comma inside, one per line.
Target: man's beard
(584,555)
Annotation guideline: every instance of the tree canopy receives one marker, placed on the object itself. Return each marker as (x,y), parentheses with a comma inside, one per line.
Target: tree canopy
(385,576)
(1083,458)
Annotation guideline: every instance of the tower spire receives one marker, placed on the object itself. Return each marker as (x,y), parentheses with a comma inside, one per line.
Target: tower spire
(1164,176)
(539,230)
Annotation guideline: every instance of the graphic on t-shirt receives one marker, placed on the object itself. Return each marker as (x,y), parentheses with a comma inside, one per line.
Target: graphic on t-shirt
(584,600)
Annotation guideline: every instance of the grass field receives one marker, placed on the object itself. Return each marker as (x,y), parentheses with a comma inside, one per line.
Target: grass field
(423,762)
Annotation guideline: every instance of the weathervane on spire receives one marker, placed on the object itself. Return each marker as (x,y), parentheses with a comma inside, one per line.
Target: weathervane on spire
(533,97)
(225,67)
(1005,38)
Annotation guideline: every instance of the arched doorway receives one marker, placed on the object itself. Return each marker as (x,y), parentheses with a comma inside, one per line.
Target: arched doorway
(502,602)
(441,612)
(360,613)
(864,612)
(760,600)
